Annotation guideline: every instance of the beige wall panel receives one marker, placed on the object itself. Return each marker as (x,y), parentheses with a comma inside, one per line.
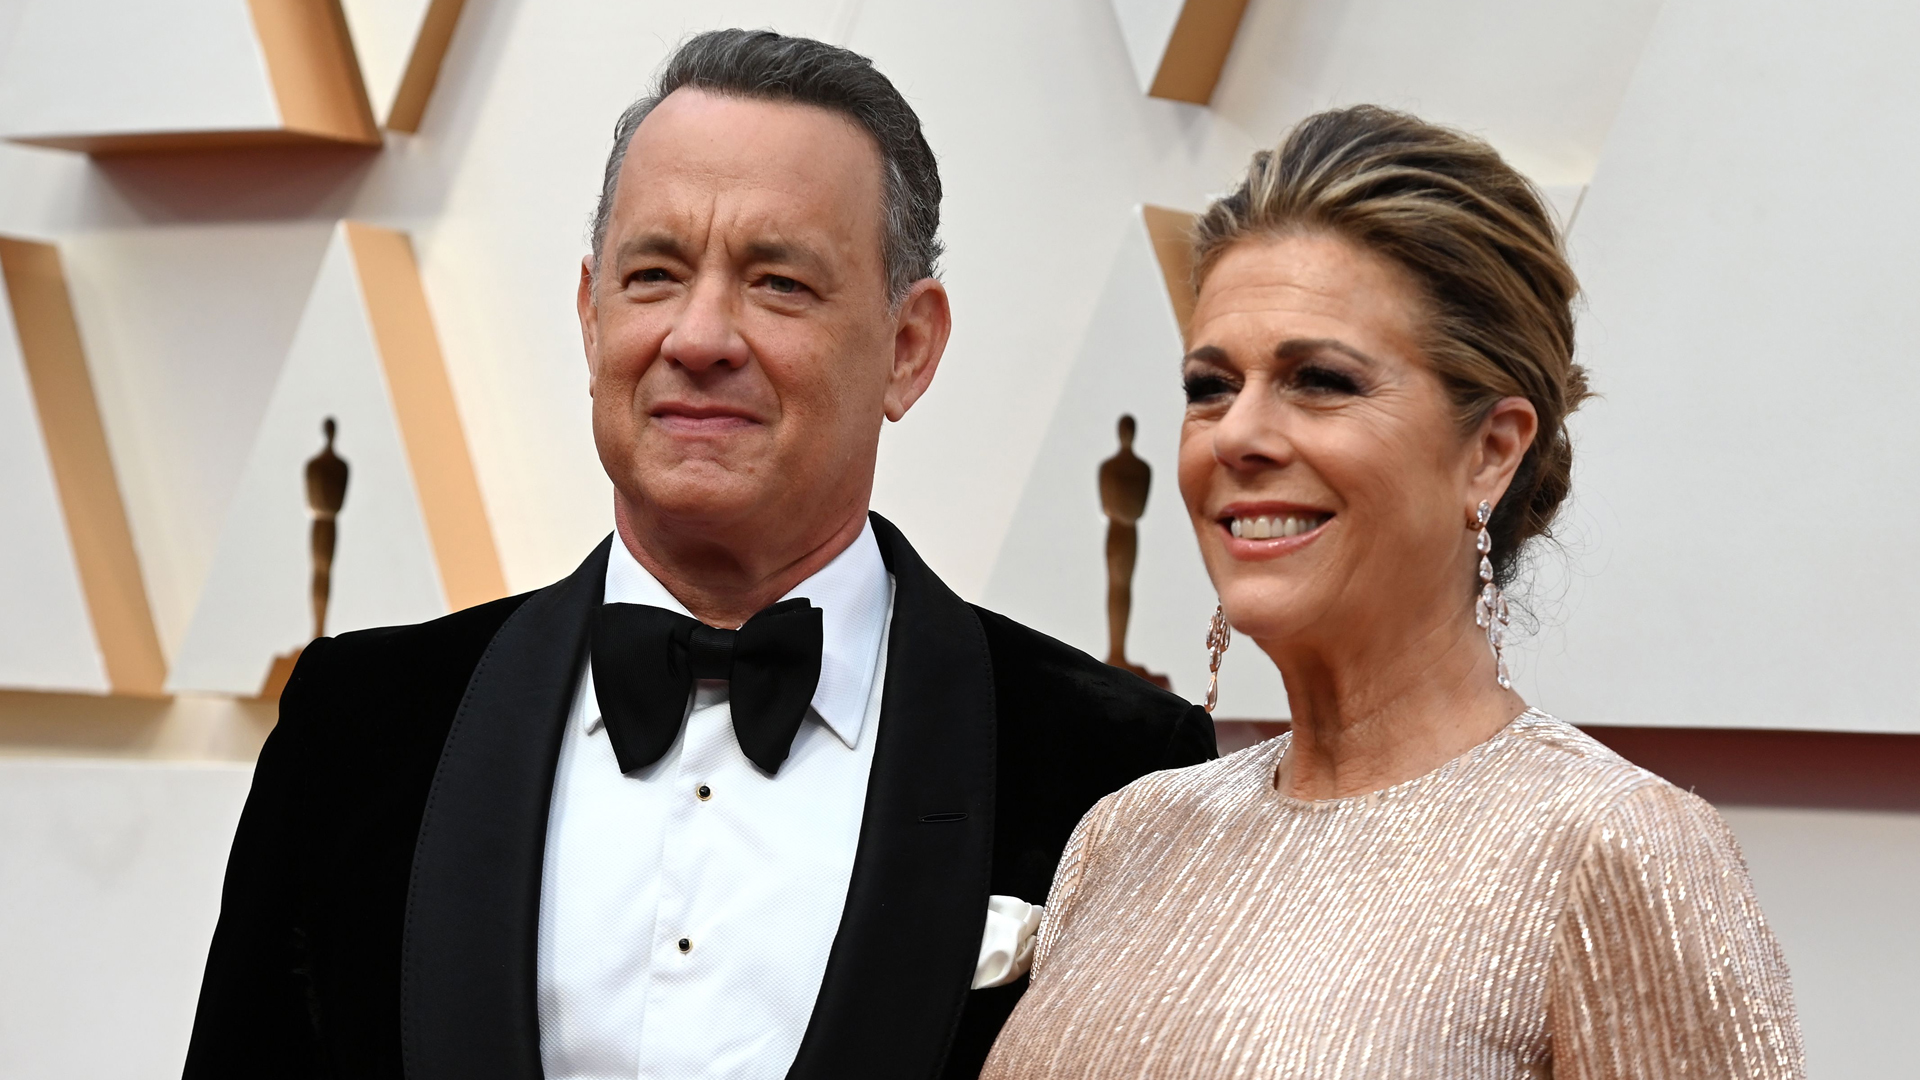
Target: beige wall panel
(76,444)
(255,603)
(414,539)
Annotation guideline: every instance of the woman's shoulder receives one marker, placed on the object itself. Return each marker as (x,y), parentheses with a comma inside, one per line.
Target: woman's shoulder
(1593,781)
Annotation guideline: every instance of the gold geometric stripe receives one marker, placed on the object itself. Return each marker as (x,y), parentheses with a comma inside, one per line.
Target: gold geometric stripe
(430,429)
(1202,37)
(423,65)
(96,517)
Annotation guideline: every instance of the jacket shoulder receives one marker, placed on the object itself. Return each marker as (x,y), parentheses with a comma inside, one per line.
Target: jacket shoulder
(1052,675)
(437,646)
(1070,730)
(1066,712)
(392,683)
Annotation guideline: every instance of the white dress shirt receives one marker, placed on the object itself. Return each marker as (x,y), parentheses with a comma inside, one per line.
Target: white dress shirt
(687,910)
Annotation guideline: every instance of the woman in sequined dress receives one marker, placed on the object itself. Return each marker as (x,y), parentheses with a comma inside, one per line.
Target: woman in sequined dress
(1426,878)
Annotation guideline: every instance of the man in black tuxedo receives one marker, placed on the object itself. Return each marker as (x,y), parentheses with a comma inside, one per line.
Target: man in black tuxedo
(596,830)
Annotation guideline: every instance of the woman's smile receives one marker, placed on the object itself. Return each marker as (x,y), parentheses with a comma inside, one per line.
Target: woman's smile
(1269,530)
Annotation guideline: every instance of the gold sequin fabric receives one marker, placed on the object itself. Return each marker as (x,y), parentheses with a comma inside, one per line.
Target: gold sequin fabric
(1536,907)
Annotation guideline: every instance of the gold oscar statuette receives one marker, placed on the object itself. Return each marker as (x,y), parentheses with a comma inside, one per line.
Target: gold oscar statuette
(326,494)
(1124,482)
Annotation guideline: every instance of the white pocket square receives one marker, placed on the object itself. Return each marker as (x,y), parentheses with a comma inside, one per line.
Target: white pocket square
(1006,946)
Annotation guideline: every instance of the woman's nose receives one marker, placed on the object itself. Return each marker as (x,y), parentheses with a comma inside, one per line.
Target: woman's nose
(1253,433)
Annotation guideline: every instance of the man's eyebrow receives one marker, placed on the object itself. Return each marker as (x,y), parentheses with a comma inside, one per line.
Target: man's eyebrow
(1295,349)
(780,251)
(649,244)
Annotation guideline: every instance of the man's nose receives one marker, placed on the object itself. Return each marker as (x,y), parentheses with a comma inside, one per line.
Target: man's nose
(707,332)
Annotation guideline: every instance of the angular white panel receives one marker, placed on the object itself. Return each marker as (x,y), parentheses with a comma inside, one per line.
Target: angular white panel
(401,44)
(255,604)
(120,76)
(46,634)
(1051,571)
(1746,501)
(1147,28)
(1178,48)
(384,32)
(87,67)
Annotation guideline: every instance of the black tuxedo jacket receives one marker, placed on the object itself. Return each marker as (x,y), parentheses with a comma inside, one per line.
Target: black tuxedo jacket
(382,897)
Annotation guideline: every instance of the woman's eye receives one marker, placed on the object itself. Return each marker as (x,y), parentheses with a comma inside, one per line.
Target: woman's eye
(1206,388)
(1325,380)
(782,284)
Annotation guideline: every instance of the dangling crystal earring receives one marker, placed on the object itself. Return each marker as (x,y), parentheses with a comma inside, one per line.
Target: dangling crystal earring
(1490,610)
(1219,636)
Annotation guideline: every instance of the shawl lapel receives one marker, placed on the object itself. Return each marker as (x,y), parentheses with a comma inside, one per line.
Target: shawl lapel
(469,1005)
(903,959)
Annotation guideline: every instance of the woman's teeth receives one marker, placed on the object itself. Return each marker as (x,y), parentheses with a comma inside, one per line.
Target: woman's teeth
(1274,528)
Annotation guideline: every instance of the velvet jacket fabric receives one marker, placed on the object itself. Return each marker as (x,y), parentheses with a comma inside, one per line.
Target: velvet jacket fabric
(383,894)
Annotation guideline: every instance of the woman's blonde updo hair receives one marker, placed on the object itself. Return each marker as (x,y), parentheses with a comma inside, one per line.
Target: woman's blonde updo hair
(1477,238)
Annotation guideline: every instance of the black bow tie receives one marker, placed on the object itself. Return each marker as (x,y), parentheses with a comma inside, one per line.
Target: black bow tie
(645,660)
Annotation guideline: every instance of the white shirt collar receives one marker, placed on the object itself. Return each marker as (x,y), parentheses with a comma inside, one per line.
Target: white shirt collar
(853,593)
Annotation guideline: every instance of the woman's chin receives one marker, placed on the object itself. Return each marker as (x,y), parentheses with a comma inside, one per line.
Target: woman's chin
(1266,613)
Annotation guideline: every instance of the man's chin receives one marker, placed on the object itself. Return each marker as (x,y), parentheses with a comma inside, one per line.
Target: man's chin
(699,494)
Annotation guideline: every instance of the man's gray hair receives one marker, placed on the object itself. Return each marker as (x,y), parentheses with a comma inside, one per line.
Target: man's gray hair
(763,64)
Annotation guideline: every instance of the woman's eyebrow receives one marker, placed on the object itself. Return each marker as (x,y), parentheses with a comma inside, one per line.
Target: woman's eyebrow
(1296,349)
(1212,354)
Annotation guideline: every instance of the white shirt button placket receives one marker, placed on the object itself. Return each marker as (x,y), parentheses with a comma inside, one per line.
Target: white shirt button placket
(680,932)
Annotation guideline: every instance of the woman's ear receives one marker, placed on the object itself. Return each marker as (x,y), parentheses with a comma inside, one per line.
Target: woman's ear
(1500,444)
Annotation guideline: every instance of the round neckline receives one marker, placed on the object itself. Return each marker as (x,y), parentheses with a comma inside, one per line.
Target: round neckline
(1272,767)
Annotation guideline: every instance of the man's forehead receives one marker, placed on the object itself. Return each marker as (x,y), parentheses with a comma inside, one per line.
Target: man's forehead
(766,172)
(696,132)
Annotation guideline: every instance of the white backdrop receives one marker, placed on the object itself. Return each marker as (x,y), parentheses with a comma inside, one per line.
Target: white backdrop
(1747,501)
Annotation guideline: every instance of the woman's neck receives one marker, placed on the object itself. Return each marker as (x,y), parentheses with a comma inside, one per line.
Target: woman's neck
(1374,713)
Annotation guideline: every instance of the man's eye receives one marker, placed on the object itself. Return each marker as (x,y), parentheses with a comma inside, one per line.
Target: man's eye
(782,284)
(1206,388)
(653,275)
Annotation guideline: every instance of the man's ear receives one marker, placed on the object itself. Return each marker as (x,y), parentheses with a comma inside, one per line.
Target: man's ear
(919,339)
(589,320)
(1500,445)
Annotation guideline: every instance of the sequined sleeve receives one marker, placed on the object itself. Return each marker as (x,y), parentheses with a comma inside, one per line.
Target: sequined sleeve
(1067,877)
(1662,964)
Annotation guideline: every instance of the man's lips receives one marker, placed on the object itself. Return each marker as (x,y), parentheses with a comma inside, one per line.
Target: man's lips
(702,419)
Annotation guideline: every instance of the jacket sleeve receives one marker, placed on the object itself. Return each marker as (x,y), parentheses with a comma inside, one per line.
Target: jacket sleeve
(253,1015)
(1192,741)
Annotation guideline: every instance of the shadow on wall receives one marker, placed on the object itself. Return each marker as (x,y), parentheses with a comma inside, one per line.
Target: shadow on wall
(256,184)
